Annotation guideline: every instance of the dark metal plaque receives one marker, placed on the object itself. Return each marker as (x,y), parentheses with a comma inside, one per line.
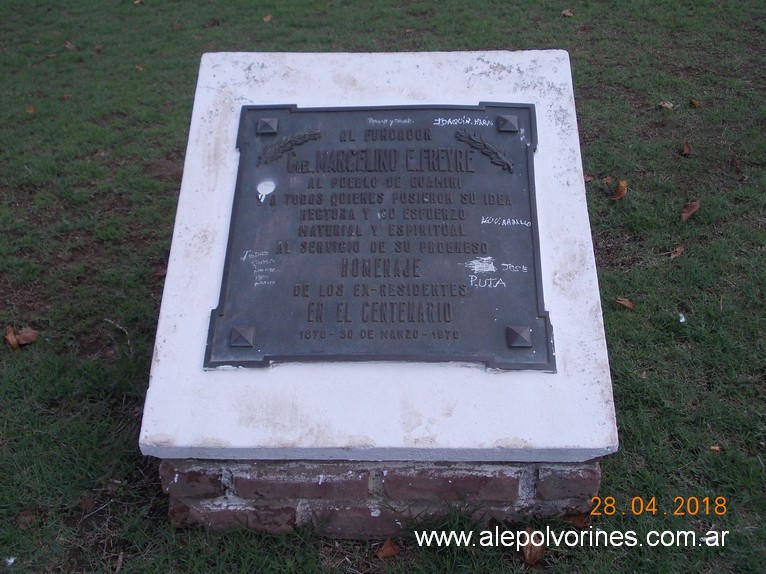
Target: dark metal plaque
(384,234)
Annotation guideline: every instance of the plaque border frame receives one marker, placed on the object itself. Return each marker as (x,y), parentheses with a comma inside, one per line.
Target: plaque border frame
(547,366)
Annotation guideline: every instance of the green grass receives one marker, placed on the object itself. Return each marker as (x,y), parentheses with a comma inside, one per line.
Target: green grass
(92,140)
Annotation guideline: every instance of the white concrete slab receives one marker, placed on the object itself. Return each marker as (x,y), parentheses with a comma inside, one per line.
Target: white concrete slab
(380,410)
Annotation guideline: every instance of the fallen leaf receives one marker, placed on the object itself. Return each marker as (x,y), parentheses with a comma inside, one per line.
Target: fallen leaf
(689,209)
(608,180)
(388,550)
(87,503)
(580,521)
(66,98)
(687,151)
(568,13)
(26,336)
(715,448)
(268,18)
(694,103)
(31,110)
(17,339)
(625,302)
(667,105)
(534,549)
(69,46)
(137,2)
(25,519)
(10,337)
(177,27)
(212,22)
(620,190)
(197,36)
(139,68)
(98,48)
(408,30)
(677,251)
(589,177)
(159,272)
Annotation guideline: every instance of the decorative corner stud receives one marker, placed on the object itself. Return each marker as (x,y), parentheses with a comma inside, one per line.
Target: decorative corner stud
(508,123)
(242,336)
(518,336)
(266,126)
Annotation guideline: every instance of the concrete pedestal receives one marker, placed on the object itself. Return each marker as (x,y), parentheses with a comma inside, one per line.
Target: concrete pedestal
(440,422)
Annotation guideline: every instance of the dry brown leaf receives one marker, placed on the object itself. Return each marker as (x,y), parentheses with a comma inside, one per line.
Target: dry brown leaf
(69,46)
(580,521)
(667,105)
(408,30)
(139,68)
(10,337)
(620,190)
(534,552)
(715,448)
(687,151)
(31,110)
(17,339)
(388,550)
(677,251)
(98,48)
(568,13)
(212,22)
(25,519)
(26,336)
(689,210)
(159,272)
(268,18)
(66,97)
(694,103)
(608,180)
(625,302)
(137,2)
(588,177)
(87,503)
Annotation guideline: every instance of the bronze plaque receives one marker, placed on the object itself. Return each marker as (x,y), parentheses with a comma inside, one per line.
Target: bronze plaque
(384,234)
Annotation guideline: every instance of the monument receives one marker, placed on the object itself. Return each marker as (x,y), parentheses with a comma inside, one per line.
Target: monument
(381,296)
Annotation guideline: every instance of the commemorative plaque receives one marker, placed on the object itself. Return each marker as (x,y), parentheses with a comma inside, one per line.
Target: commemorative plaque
(384,234)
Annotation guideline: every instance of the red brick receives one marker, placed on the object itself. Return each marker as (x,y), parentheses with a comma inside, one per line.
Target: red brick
(559,483)
(271,519)
(451,484)
(183,480)
(357,522)
(179,514)
(336,482)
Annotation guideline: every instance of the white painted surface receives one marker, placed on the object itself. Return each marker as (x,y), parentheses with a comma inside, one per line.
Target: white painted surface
(380,411)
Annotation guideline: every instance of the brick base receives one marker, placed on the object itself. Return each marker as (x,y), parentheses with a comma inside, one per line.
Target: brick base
(368,499)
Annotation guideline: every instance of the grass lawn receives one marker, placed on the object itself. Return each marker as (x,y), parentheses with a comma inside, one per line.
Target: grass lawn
(95,103)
